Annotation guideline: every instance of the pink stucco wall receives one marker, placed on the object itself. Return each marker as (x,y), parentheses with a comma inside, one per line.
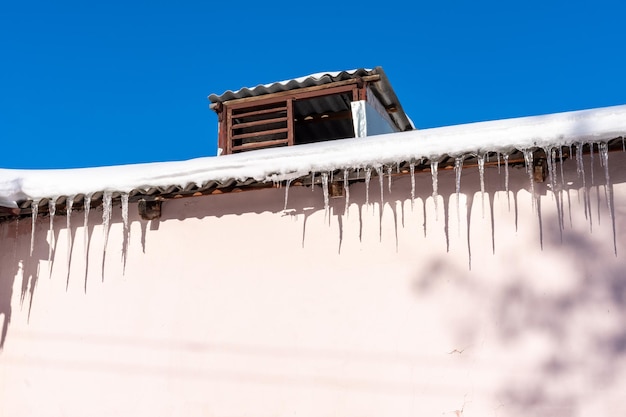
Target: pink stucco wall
(230,306)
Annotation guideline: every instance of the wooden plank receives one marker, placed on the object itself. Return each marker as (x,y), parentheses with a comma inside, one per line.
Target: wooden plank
(279,96)
(302,95)
(290,129)
(222,134)
(261,133)
(260,122)
(347,114)
(256,145)
(259,112)
(229,121)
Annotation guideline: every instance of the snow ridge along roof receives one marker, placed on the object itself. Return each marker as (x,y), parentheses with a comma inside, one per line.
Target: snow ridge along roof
(18,187)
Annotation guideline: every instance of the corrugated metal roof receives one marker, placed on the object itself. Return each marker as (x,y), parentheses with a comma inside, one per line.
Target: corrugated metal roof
(381,88)
(287,85)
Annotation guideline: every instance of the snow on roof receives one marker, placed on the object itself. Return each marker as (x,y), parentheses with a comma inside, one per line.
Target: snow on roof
(287,163)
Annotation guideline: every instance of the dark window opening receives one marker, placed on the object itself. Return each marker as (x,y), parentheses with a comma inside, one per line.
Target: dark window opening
(323,118)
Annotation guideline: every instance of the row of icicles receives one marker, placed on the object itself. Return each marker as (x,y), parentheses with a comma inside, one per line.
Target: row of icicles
(107,199)
(551,156)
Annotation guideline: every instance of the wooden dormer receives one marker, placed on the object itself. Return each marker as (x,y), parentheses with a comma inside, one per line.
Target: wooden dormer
(310,109)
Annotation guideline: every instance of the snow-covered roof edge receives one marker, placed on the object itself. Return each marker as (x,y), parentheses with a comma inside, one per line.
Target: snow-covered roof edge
(296,161)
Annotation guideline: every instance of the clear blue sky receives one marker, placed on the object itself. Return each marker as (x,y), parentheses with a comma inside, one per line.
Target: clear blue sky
(104,83)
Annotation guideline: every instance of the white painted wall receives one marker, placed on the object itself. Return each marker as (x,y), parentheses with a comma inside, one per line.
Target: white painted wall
(230,306)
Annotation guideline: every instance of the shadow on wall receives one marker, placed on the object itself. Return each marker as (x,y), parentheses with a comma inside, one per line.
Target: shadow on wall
(556,312)
(571,328)
(17,260)
(22,266)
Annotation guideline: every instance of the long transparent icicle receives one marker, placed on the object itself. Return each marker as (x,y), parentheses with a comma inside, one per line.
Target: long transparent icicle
(287,193)
(325,191)
(126,227)
(481,174)
(530,167)
(412,173)
(591,163)
(434,168)
(86,208)
(35,210)
(346,188)
(389,171)
(458,167)
(580,169)
(106,215)
(561,167)
(603,149)
(506,179)
(379,172)
(124,200)
(551,161)
(368,176)
(563,188)
(69,203)
(52,208)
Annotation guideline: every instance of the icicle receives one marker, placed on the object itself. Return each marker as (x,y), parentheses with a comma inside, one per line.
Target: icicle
(69,202)
(580,169)
(528,159)
(433,173)
(623,145)
(346,188)
(563,189)
(506,179)
(551,161)
(124,200)
(52,207)
(379,172)
(325,190)
(412,173)
(288,183)
(35,210)
(561,167)
(498,162)
(481,174)
(86,207)
(591,163)
(313,181)
(389,170)
(458,167)
(603,149)
(106,215)
(579,160)
(368,176)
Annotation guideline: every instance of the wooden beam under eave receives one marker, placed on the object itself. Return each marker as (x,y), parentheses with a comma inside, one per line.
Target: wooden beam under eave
(342,115)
